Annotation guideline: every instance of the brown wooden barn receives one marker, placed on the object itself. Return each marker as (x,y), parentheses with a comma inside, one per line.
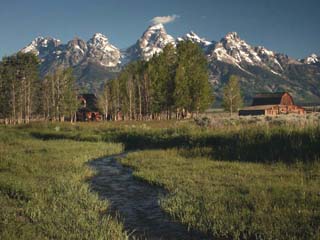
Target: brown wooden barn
(272,104)
(88,110)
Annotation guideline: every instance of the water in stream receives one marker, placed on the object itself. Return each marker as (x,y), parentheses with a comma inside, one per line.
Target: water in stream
(136,202)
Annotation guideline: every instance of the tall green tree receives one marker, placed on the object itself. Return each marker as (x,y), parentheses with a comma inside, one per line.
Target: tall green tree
(175,79)
(19,87)
(181,96)
(59,95)
(104,100)
(169,58)
(115,98)
(193,91)
(232,99)
(71,103)
(152,82)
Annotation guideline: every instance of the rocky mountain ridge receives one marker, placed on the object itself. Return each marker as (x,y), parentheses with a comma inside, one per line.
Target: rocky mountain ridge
(259,68)
(152,41)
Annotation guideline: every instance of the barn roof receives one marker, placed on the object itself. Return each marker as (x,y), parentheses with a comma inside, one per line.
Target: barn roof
(267,98)
(258,107)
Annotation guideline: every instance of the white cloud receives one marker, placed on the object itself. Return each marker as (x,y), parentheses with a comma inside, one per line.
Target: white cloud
(164,19)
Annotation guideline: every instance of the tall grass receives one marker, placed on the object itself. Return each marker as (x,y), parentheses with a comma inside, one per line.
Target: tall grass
(235,200)
(43,189)
(249,143)
(233,181)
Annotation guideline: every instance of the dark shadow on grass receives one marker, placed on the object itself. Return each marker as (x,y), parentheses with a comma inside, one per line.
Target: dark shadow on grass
(252,146)
(286,147)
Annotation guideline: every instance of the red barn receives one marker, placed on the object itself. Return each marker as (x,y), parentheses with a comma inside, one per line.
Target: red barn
(272,104)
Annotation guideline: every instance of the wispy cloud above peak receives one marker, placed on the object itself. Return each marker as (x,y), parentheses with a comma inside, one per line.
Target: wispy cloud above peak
(164,19)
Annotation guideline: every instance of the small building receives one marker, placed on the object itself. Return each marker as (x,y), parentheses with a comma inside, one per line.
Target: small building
(88,110)
(272,104)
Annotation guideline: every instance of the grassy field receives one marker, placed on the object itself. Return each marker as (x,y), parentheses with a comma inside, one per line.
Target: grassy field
(235,200)
(43,189)
(248,178)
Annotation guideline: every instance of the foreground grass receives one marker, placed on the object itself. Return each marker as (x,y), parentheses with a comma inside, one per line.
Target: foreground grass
(233,182)
(235,200)
(43,189)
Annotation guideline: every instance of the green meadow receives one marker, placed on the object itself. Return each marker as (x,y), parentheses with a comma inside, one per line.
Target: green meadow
(43,189)
(241,179)
(232,199)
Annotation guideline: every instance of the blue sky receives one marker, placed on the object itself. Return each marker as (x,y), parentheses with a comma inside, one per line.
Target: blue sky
(287,26)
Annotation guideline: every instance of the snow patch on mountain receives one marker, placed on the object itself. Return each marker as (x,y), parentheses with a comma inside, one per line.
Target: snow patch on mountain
(97,49)
(152,41)
(41,46)
(238,49)
(312,59)
(233,50)
(268,57)
(193,37)
(100,50)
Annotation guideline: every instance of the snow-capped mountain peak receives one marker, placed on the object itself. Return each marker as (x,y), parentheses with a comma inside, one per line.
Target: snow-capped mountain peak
(233,50)
(263,51)
(193,37)
(98,40)
(41,46)
(99,36)
(155,37)
(97,49)
(312,59)
(101,42)
(96,60)
(232,36)
(32,47)
(103,52)
(152,41)
(77,43)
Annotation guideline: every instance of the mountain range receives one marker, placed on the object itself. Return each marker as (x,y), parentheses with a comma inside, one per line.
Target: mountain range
(259,69)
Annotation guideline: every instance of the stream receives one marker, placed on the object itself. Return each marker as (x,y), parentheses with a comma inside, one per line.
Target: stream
(136,202)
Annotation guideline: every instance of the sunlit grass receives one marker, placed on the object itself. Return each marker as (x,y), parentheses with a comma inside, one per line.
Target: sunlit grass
(232,181)
(235,200)
(43,189)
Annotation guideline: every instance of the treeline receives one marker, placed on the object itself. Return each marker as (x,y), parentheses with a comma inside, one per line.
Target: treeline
(18,86)
(171,84)
(24,96)
(59,96)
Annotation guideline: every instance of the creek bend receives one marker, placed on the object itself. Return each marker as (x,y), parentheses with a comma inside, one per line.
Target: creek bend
(136,202)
